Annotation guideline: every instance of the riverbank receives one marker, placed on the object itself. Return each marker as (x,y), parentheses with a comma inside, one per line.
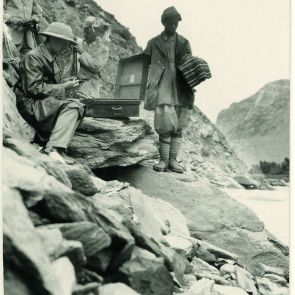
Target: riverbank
(272,207)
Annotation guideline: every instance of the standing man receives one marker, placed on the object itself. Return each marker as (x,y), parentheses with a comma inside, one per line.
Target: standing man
(22,17)
(44,104)
(167,93)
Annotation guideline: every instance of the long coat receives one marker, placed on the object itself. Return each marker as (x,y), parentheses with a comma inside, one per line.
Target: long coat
(44,93)
(158,56)
(23,9)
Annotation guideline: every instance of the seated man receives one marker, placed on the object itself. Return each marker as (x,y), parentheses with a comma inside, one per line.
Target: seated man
(43,103)
(93,55)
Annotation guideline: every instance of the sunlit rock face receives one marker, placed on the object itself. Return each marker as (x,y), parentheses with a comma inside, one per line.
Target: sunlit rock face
(258,126)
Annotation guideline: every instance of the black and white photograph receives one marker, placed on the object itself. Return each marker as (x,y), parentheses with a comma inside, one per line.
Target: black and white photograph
(146,147)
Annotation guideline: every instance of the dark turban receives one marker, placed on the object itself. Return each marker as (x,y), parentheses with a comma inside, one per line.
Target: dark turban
(170,12)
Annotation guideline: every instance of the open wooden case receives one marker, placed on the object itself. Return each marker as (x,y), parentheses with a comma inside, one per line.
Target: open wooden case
(129,91)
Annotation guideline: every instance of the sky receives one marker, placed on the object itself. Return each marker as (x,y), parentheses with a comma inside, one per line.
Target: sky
(245,42)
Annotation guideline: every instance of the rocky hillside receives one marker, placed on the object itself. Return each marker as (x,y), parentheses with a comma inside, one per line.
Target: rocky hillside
(68,232)
(258,126)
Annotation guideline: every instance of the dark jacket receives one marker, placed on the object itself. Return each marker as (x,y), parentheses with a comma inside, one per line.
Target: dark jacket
(156,50)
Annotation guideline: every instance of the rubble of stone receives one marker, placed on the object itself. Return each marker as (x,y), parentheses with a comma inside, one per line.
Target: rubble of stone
(60,238)
(67,231)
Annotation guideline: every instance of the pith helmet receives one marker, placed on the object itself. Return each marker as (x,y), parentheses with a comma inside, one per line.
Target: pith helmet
(170,12)
(59,30)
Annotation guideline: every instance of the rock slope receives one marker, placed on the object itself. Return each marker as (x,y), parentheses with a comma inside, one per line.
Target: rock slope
(67,232)
(258,126)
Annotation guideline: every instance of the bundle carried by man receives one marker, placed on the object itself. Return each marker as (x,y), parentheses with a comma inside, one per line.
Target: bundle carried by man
(195,70)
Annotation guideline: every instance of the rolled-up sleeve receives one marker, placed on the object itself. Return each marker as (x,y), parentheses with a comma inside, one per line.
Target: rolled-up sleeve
(34,84)
(96,59)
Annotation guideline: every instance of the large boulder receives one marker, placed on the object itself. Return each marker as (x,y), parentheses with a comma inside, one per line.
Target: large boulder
(212,216)
(100,142)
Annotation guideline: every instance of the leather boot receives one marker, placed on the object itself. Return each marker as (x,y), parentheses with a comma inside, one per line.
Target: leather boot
(164,148)
(174,149)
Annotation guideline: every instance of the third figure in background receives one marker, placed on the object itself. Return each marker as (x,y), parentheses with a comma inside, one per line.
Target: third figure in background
(93,54)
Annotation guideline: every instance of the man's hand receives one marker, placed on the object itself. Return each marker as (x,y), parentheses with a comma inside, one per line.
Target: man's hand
(71,84)
(79,48)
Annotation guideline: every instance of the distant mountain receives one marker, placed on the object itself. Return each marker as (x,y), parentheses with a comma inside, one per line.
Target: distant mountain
(258,127)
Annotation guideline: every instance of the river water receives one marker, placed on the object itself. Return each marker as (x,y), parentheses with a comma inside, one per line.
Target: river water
(272,207)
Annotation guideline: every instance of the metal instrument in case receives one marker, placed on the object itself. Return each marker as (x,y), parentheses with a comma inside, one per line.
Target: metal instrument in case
(129,91)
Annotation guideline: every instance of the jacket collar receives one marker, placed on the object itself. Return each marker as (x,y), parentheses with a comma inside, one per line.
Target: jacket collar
(44,51)
(166,37)
(160,42)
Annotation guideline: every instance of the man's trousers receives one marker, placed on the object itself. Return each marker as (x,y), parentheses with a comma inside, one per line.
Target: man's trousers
(170,119)
(64,128)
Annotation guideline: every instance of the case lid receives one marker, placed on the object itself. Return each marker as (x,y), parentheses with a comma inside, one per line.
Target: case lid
(132,77)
